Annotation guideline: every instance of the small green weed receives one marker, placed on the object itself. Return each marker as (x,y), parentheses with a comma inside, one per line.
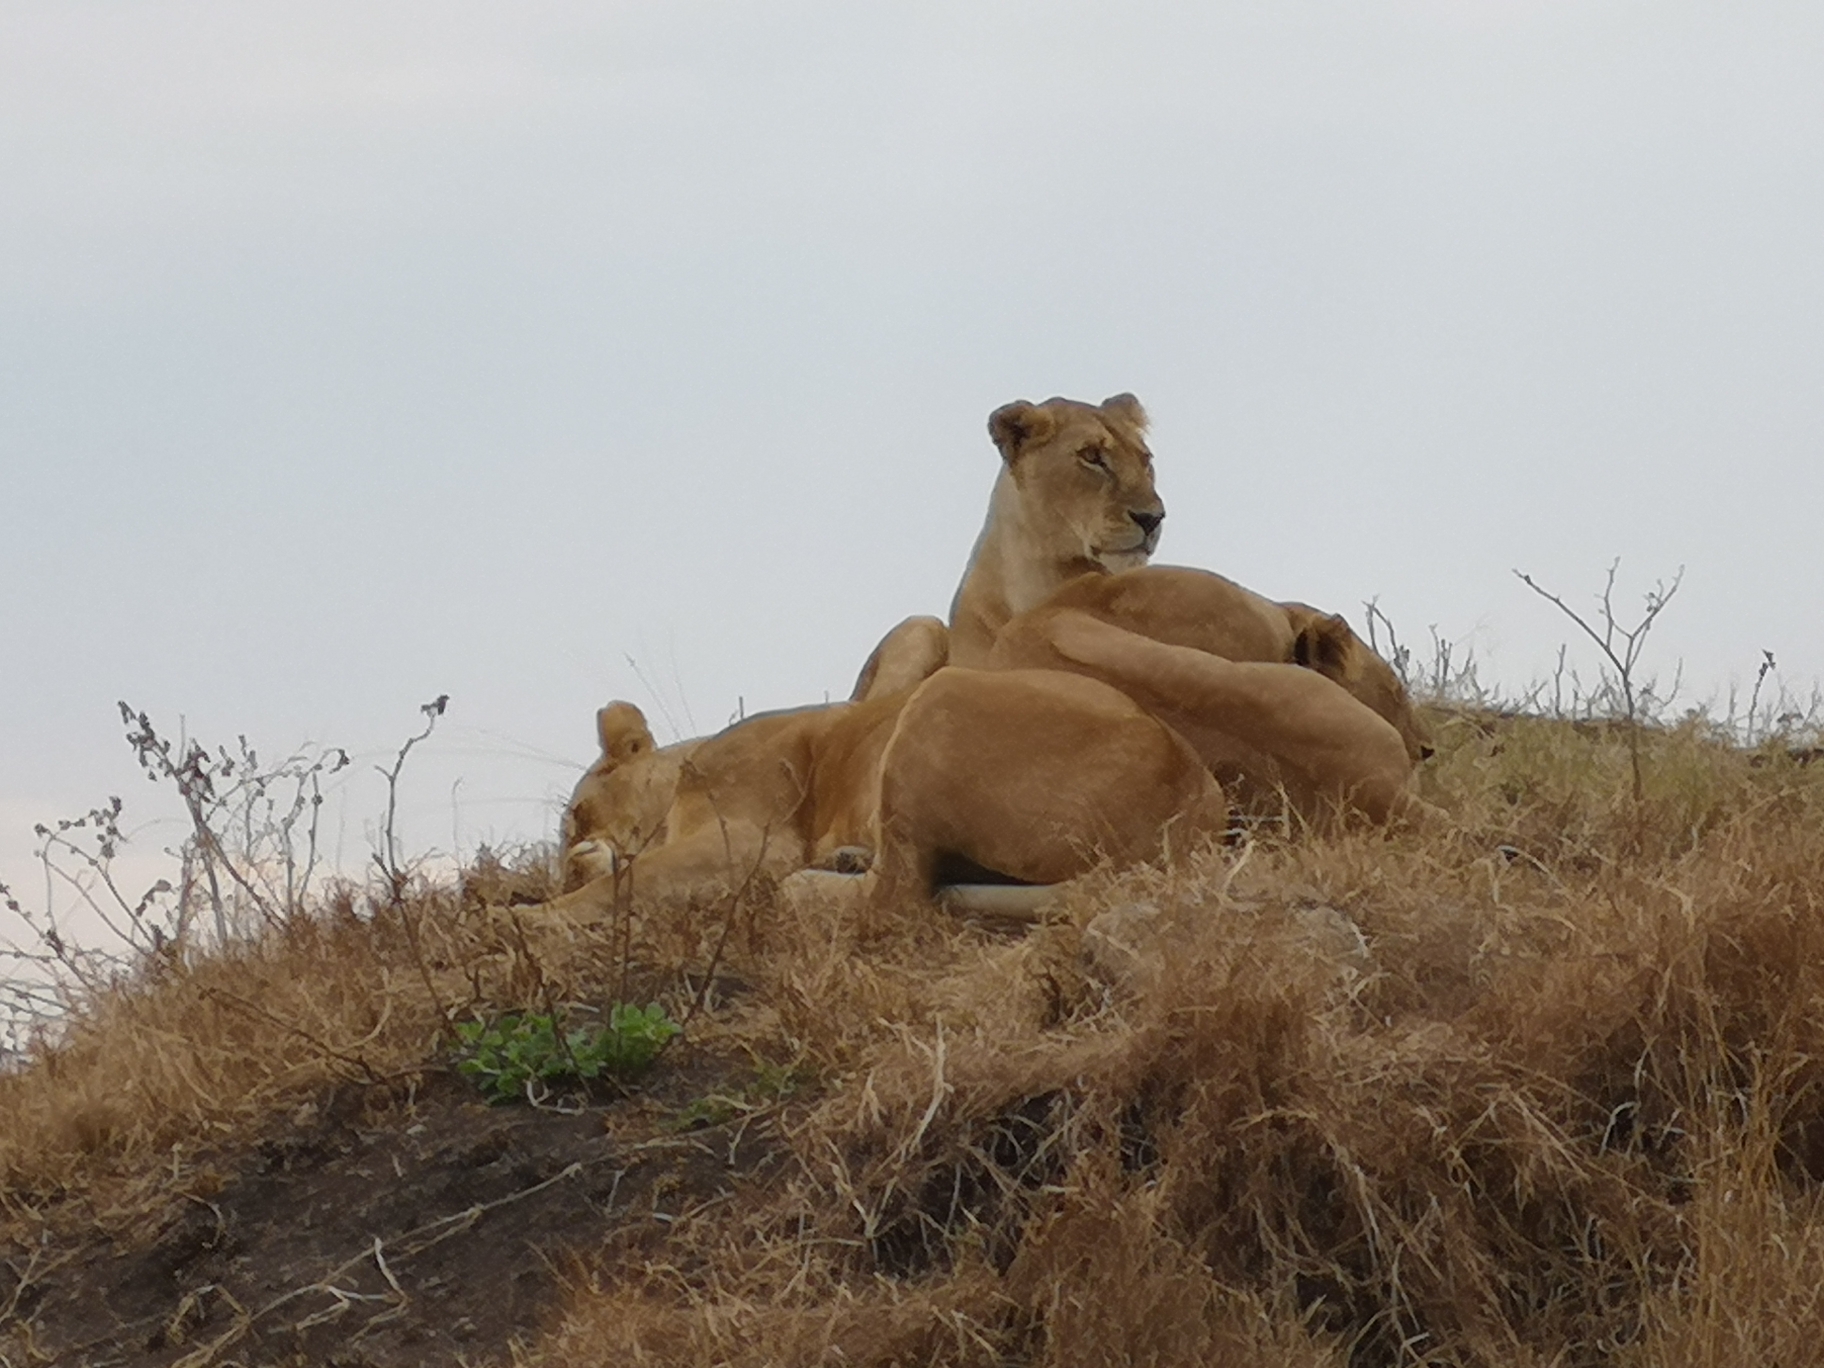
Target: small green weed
(511,1055)
(772,1083)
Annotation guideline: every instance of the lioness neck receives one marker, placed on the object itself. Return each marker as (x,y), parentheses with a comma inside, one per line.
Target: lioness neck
(1007,574)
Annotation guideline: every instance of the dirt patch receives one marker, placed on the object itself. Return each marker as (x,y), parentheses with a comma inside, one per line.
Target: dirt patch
(382,1228)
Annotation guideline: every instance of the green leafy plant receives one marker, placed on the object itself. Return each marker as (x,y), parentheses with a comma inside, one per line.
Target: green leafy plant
(515,1054)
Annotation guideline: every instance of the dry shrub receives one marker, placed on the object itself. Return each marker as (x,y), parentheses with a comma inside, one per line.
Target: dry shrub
(1750,1288)
(1102,1281)
(190,1055)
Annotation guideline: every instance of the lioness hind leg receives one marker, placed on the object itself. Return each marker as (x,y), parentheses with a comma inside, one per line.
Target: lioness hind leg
(904,868)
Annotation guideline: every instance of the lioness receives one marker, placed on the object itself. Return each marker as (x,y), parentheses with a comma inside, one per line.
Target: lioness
(768,795)
(1031,775)
(1074,494)
(1267,735)
(1274,696)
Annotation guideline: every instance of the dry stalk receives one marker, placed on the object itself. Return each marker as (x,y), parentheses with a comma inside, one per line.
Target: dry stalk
(1620,646)
(259,1013)
(396,875)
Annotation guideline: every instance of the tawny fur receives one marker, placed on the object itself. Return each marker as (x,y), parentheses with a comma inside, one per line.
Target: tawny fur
(1031,774)
(1036,775)
(1314,713)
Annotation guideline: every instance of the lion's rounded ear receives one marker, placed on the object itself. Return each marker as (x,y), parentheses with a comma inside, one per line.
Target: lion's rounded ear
(622,730)
(1127,408)
(1323,643)
(1014,425)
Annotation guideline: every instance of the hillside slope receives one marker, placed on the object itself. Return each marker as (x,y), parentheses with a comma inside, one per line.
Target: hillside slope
(1544,1088)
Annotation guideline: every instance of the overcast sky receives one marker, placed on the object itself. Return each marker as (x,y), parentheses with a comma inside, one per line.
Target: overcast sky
(542,354)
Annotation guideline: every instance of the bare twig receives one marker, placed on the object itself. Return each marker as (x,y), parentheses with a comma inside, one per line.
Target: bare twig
(1767,667)
(1621,646)
(387,856)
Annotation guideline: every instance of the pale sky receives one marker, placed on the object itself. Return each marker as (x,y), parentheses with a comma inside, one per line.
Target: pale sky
(353,354)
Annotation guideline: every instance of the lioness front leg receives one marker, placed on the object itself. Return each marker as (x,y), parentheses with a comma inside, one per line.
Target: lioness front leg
(1339,747)
(703,865)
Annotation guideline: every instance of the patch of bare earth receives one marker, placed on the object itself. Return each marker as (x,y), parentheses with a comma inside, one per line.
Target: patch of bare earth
(387,1226)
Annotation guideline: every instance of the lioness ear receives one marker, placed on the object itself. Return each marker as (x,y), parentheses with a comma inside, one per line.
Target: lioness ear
(622,730)
(1014,425)
(1127,408)
(1322,644)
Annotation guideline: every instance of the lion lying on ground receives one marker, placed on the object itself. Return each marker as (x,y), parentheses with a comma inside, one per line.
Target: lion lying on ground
(1030,775)
(621,809)
(1276,697)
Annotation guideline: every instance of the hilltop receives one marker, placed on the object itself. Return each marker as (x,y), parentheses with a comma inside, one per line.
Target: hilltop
(1542,1088)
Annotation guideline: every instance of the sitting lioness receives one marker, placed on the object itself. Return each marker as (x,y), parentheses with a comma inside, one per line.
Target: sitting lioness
(1072,522)
(1074,494)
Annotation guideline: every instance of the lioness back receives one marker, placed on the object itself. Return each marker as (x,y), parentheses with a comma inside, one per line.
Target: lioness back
(1203,611)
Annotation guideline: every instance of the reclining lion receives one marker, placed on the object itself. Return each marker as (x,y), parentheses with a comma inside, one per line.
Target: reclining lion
(1028,775)
(1276,697)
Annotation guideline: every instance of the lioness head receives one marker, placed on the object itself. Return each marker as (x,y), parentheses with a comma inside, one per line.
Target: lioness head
(619,805)
(1084,477)
(622,730)
(1325,642)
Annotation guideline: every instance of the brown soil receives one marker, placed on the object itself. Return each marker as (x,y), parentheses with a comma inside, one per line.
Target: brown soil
(390,1226)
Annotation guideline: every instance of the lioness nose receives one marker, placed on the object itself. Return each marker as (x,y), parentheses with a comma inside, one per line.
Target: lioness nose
(1149,522)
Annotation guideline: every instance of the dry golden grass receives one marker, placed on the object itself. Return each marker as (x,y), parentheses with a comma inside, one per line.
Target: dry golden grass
(1561,1103)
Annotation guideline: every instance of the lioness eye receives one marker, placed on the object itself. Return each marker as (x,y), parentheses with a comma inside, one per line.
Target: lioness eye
(1092,456)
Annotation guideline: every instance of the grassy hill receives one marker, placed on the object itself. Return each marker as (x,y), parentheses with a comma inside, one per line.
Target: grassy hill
(1544,1088)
